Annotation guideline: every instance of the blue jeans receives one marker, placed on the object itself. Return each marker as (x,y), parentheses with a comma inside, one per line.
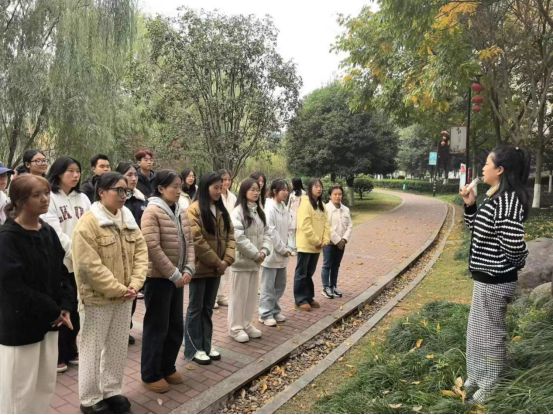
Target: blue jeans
(332,257)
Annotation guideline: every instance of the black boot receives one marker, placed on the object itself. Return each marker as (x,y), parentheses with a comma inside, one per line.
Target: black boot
(98,408)
(118,404)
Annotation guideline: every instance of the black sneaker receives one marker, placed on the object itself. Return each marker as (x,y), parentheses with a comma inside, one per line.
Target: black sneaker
(98,408)
(336,292)
(327,292)
(118,404)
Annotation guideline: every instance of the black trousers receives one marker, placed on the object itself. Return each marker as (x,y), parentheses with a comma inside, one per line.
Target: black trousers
(67,339)
(162,329)
(304,290)
(199,326)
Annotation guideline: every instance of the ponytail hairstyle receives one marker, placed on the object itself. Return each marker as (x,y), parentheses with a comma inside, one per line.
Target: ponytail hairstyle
(276,186)
(297,186)
(316,203)
(204,201)
(106,182)
(516,169)
(21,189)
(242,200)
(263,191)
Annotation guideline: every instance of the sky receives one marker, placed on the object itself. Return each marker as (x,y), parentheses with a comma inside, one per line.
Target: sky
(307,29)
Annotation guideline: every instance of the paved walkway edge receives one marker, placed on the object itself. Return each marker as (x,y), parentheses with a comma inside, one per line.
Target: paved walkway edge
(291,390)
(212,399)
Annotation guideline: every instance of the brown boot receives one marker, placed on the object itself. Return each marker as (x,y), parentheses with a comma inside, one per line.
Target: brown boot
(315,304)
(304,307)
(174,378)
(159,386)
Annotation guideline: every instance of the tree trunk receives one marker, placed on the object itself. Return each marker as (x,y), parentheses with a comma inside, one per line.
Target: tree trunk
(333,177)
(349,190)
(550,181)
(536,202)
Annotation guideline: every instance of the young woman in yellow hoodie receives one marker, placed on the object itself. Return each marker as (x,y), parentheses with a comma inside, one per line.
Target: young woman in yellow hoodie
(312,234)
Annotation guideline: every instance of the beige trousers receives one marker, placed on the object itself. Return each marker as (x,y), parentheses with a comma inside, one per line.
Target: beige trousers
(28,376)
(243,300)
(103,351)
(223,285)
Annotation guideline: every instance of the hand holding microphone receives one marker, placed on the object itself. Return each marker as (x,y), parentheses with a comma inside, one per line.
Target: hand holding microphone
(467,192)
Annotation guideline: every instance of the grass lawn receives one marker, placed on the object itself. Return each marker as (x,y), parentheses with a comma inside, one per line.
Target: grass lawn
(413,360)
(372,204)
(447,281)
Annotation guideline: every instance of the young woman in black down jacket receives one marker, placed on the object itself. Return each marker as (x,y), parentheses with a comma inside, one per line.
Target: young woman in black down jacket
(497,252)
(34,296)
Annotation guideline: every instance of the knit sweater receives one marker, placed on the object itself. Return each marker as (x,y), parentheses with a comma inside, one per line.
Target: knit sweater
(497,249)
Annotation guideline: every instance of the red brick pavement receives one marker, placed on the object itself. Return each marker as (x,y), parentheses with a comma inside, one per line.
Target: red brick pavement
(377,247)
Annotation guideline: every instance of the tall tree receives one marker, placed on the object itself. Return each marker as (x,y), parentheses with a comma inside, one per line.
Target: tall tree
(228,70)
(327,137)
(60,66)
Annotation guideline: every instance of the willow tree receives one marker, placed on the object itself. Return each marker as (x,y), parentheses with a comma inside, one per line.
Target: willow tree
(227,68)
(60,67)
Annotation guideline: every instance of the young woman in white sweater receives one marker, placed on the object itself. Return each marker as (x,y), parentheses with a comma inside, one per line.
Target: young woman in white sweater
(253,243)
(273,269)
(67,206)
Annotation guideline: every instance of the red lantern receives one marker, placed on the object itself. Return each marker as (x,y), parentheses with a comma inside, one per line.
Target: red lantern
(476,108)
(477,99)
(476,87)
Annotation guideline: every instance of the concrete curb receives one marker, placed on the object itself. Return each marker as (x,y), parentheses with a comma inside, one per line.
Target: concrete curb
(291,390)
(210,400)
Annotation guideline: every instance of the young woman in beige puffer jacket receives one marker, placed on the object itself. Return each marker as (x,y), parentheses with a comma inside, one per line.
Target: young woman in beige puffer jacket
(171,265)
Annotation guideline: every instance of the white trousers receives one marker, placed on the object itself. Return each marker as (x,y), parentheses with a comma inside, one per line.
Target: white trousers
(221,296)
(28,376)
(103,351)
(243,300)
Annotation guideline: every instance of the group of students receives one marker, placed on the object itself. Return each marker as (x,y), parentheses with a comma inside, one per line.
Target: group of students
(76,257)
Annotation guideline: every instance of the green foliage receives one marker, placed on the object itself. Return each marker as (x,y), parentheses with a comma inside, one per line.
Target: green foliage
(362,184)
(539,224)
(415,142)
(225,70)
(421,186)
(422,355)
(326,137)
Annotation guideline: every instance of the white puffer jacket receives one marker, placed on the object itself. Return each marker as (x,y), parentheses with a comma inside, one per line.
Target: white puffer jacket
(63,214)
(278,221)
(249,240)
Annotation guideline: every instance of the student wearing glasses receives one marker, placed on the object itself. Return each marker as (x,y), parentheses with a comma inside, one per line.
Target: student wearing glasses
(35,162)
(110,259)
(145,170)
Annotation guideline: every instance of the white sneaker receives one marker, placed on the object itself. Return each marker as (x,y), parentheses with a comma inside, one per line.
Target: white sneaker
(241,337)
(214,354)
(253,332)
(280,318)
(201,357)
(271,322)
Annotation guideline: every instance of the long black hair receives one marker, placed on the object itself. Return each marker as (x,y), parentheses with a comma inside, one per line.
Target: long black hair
(124,166)
(516,169)
(58,168)
(297,186)
(316,203)
(242,200)
(204,200)
(263,191)
(106,182)
(189,190)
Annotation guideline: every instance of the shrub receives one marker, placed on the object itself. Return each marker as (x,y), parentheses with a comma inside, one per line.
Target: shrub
(363,184)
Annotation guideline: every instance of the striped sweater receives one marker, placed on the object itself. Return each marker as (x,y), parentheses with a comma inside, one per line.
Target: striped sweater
(497,248)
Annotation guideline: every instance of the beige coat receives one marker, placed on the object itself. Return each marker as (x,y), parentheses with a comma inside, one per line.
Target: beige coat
(210,249)
(107,259)
(164,245)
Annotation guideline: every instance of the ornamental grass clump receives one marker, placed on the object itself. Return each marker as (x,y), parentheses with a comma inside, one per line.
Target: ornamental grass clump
(421,358)
(528,384)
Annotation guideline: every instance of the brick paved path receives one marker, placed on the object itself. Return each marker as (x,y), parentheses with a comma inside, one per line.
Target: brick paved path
(377,247)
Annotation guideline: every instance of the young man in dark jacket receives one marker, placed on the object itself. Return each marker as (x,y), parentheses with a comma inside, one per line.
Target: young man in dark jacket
(99,164)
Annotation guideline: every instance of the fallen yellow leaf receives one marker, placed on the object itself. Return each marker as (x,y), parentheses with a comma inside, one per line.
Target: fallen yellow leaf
(394,405)
(448,393)
(263,387)
(419,343)
(415,382)
(417,408)
(430,356)
(459,382)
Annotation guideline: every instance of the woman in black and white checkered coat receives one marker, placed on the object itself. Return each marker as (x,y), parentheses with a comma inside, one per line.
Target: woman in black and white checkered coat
(497,252)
